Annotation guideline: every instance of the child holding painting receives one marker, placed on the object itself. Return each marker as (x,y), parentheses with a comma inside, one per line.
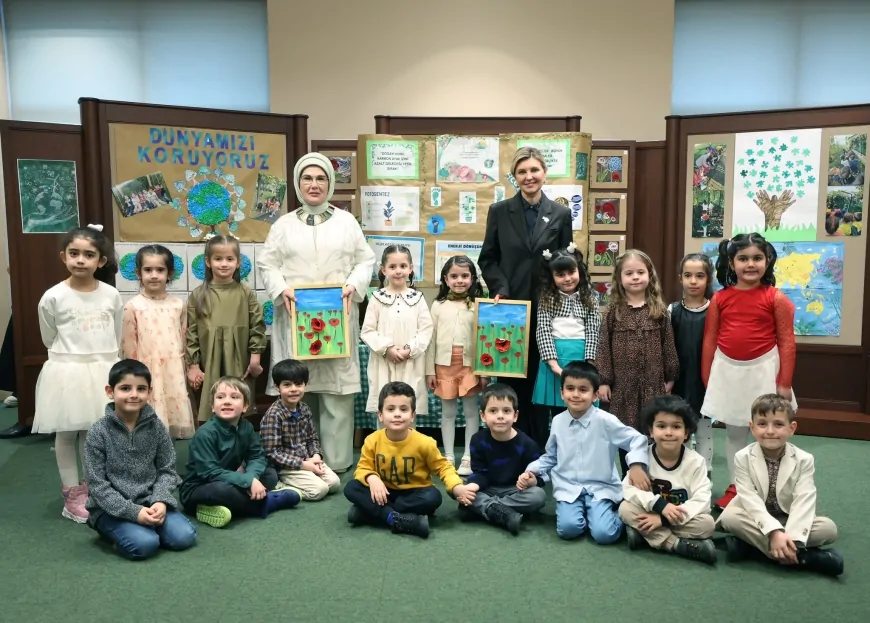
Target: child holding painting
(397,329)
(448,361)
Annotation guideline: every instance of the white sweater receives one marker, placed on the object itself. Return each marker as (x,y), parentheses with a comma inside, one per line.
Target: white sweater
(685,484)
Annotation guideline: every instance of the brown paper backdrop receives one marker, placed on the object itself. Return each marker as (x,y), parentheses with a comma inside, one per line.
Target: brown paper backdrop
(128,143)
(449,210)
(854,247)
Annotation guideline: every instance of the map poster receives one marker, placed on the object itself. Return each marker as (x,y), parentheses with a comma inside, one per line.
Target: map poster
(445,249)
(810,274)
(467,159)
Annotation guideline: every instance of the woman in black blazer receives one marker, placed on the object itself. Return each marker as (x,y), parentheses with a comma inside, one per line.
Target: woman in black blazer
(518,230)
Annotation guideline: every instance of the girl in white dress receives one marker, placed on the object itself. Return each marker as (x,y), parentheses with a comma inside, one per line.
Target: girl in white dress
(397,329)
(80,323)
(155,324)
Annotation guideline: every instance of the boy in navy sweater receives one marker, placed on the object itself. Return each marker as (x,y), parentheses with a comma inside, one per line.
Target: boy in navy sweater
(499,455)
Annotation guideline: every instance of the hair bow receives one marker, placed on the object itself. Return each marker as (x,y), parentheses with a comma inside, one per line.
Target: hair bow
(96,227)
(571,248)
(547,255)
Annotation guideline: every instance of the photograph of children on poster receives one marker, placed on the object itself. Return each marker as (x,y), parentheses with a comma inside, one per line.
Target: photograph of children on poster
(176,184)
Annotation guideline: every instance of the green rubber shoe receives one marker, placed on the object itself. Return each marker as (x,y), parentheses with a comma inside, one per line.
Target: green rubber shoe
(214,516)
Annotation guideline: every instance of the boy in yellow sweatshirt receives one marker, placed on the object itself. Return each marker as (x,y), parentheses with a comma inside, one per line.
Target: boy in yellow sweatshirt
(392,485)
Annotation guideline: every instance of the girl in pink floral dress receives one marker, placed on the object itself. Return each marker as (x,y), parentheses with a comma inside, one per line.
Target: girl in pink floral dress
(153,332)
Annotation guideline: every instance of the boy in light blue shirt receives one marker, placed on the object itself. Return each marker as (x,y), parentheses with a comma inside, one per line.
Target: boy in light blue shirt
(579,459)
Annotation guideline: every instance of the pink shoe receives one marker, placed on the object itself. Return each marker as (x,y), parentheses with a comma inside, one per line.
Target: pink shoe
(74,504)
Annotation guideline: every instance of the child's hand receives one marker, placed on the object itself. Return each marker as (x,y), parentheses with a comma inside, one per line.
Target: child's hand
(669,386)
(145,517)
(288,296)
(195,376)
(313,467)
(380,495)
(604,393)
(648,522)
(158,512)
(431,382)
(637,477)
(784,391)
(674,514)
(554,366)
(526,480)
(782,549)
(464,495)
(258,491)
(254,368)
(394,355)
(316,459)
(484,381)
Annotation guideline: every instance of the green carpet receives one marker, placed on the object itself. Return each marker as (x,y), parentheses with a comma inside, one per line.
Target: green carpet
(307,564)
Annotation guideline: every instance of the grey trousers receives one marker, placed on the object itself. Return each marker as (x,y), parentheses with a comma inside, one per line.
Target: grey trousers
(524,502)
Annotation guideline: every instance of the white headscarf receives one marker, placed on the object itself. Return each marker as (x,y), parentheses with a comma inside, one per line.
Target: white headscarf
(322,162)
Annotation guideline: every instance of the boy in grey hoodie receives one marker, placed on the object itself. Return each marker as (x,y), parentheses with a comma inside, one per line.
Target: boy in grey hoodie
(130,470)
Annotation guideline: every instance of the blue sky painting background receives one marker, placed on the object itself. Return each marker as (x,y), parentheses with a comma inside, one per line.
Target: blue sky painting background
(503,313)
(320,299)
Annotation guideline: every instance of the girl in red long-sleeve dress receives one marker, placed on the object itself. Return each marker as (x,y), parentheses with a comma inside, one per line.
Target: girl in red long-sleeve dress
(749,345)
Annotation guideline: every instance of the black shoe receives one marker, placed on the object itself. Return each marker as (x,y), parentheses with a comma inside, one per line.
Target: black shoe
(697,549)
(409,523)
(501,515)
(825,561)
(635,539)
(15,431)
(466,515)
(737,550)
(357,517)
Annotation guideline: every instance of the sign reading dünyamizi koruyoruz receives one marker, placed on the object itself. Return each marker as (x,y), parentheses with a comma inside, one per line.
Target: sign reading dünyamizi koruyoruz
(175,184)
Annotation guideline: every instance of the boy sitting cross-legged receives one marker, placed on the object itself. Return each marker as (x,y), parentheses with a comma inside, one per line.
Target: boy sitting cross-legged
(675,515)
(227,475)
(392,484)
(579,460)
(499,455)
(774,511)
(290,440)
(130,470)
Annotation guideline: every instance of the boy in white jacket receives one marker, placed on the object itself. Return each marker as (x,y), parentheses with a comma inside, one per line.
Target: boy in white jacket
(674,516)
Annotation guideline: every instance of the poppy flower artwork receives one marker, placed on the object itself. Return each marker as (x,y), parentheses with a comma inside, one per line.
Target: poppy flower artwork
(604,251)
(607,210)
(500,349)
(319,323)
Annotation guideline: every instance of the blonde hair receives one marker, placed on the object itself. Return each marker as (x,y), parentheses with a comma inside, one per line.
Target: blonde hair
(237,384)
(525,153)
(768,404)
(202,294)
(653,294)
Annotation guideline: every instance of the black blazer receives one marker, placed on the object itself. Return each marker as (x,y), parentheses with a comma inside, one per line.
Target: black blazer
(509,260)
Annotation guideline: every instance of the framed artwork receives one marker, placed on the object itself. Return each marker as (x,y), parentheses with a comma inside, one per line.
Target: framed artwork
(342,155)
(346,202)
(609,168)
(603,251)
(49,196)
(608,211)
(602,286)
(320,324)
(501,338)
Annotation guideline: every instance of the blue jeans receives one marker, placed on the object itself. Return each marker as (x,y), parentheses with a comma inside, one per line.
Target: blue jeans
(137,542)
(600,516)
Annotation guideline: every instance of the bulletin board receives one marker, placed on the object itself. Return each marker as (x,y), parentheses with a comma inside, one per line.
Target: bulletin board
(433,192)
(804,190)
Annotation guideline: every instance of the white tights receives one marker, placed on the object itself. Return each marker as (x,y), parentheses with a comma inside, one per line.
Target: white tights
(449,411)
(704,439)
(736,438)
(65,454)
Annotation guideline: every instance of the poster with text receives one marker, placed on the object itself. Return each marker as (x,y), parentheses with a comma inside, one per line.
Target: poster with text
(776,184)
(556,152)
(390,208)
(416,246)
(467,159)
(569,196)
(445,249)
(392,160)
(175,184)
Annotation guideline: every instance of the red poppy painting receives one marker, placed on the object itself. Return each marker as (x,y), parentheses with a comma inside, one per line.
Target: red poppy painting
(320,323)
(500,350)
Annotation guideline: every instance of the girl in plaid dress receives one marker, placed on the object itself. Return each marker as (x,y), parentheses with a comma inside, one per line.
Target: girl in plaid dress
(568,321)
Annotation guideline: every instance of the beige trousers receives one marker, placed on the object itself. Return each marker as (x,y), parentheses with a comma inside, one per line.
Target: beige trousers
(310,486)
(698,527)
(333,419)
(735,520)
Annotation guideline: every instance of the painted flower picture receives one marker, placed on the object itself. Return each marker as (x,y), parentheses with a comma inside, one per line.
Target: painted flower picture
(320,323)
(602,291)
(605,253)
(607,210)
(502,338)
(608,169)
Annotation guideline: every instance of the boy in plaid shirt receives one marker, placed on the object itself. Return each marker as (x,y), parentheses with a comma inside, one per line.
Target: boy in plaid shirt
(289,439)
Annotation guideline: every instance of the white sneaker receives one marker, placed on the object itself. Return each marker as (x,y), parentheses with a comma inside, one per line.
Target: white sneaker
(450,458)
(464,466)
(11,401)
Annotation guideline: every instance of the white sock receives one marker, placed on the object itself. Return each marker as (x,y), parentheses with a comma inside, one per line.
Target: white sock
(472,420)
(449,409)
(65,455)
(704,437)
(736,438)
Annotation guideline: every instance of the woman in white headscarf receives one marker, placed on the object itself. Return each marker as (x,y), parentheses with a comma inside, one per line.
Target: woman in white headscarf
(319,244)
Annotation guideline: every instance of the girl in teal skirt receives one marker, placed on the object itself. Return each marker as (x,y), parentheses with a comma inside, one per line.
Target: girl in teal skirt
(568,321)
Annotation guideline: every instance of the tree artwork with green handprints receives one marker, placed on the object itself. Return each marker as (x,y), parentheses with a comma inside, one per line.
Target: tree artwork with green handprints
(501,339)
(49,197)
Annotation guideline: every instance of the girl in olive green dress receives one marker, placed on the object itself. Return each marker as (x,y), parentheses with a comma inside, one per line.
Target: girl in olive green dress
(226,334)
